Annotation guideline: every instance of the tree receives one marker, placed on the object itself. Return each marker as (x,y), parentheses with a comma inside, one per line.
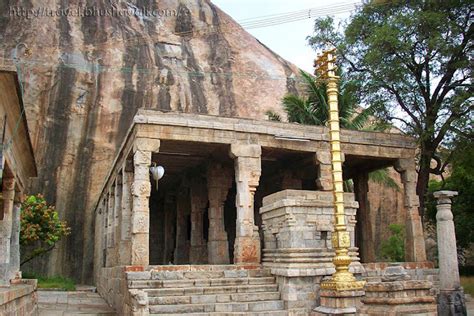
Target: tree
(40,228)
(413,61)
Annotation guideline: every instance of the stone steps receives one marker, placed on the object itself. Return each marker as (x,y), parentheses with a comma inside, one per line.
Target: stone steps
(145,284)
(209,290)
(268,313)
(212,290)
(266,306)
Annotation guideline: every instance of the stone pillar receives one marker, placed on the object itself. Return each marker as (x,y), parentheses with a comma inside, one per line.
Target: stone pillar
(415,241)
(219,181)
(141,189)
(126,215)
(198,248)
(6,230)
(181,251)
(451,297)
(169,233)
(15,238)
(110,261)
(364,235)
(118,218)
(247,160)
(323,161)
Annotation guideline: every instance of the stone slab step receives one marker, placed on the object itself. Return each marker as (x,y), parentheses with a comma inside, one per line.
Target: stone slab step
(264,306)
(143,284)
(262,313)
(214,298)
(193,290)
(186,275)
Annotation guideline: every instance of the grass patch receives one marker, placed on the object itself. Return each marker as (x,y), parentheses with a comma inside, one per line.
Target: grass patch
(467,283)
(54,282)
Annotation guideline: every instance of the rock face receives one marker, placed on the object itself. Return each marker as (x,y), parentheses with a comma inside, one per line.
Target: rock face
(85,76)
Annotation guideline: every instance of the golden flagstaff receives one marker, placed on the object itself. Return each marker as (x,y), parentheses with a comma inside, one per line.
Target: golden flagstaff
(342,279)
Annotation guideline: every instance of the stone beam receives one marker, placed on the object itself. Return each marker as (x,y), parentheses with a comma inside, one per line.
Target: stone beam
(247,162)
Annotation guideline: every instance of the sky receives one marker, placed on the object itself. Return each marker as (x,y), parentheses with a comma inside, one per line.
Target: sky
(289,39)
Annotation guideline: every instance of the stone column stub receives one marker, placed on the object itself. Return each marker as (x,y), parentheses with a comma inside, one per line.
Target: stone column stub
(322,159)
(247,164)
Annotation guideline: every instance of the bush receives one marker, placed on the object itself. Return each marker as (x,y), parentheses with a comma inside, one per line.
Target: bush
(393,248)
(40,228)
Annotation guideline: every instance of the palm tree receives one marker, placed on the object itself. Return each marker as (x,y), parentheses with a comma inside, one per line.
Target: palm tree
(313,109)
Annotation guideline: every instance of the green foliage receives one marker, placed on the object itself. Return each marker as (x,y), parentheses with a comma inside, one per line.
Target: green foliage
(413,62)
(314,108)
(272,116)
(393,249)
(40,228)
(54,282)
(462,181)
(382,176)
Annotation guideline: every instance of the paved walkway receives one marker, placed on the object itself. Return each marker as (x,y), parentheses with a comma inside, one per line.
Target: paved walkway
(80,303)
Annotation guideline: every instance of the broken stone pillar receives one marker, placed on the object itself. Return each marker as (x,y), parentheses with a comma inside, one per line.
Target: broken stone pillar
(219,181)
(198,247)
(324,179)
(181,251)
(6,230)
(141,189)
(247,175)
(451,297)
(415,241)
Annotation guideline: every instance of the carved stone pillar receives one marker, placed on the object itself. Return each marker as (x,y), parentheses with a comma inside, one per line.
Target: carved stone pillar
(198,248)
(451,300)
(141,188)
(118,218)
(181,251)
(219,181)
(15,238)
(126,215)
(323,161)
(415,241)
(6,230)
(110,228)
(247,160)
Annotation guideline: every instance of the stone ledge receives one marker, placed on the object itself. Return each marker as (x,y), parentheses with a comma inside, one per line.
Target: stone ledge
(15,292)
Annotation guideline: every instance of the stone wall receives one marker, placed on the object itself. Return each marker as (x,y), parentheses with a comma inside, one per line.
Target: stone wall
(19,299)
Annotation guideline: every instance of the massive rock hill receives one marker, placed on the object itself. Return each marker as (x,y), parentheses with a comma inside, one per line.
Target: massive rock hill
(85,76)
